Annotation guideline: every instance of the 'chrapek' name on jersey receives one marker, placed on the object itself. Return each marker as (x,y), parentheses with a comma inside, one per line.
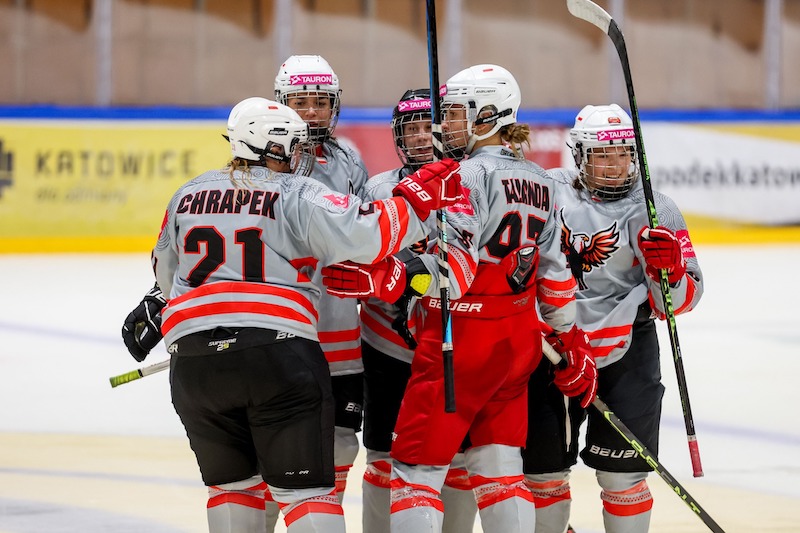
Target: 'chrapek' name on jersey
(229,202)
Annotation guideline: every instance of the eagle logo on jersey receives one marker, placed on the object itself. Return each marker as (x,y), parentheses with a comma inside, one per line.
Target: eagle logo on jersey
(585,252)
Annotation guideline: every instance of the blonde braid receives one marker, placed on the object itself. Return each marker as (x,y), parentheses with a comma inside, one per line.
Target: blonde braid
(515,135)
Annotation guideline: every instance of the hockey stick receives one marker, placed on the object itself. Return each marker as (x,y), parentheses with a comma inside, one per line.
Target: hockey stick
(441,217)
(591,12)
(133,375)
(641,449)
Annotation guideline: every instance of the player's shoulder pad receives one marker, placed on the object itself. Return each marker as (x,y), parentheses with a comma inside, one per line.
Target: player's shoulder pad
(562,176)
(313,192)
(380,185)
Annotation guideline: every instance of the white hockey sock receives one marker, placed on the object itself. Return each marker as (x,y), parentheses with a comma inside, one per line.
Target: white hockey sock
(237,507)
(345,451)
(504,502)
(460,507)
(310,510)
(415,505)
(271,510)
(552,499)
(375,491)
(627,502)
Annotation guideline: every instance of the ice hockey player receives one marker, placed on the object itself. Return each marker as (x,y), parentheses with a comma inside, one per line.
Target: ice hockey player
(309,85)
(504,255)
(617,260)
(387,343)
(235,257)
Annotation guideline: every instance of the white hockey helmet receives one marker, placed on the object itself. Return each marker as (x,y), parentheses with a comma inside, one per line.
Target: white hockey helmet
(260,129)
(310,75)
(483,88)
(600,131)
(414,107)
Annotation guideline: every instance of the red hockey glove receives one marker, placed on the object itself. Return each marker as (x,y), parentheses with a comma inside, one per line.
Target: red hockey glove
(579,376)
(385,280)
(432,187)
(661,249)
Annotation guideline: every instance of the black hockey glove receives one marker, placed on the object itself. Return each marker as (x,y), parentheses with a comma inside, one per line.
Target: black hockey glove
(142,328)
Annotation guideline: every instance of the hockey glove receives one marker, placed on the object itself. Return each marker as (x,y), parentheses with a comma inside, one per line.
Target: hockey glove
(661,249)
(520,266)
(142,328)
(385,280)
(432,187)
(578,377)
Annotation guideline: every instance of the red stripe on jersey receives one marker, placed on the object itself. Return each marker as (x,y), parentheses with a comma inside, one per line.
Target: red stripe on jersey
(338,356)
(312,507)
(348,335)
(232,307)
(236,287)
(463,268)
(556,293)
(236,498)
(603,351)
(393,225)
(691,287)
(302,265)
(381,330)
(608,333)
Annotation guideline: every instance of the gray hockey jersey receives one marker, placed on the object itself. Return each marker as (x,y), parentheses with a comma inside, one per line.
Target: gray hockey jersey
(510,205)
(246,256)
(340,169)
(600,240)
(377,316)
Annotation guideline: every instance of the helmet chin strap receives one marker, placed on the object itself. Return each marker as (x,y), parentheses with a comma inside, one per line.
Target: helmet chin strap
(488,119)
(474,137)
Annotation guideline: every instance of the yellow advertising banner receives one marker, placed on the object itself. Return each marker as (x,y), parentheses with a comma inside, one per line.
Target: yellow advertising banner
(94,185)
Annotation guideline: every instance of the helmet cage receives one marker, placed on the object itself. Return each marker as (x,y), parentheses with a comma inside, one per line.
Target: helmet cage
(481,89)
(415,106)
(598,134)
(600,175)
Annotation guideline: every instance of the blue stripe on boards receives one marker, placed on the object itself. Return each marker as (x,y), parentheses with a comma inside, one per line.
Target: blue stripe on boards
(377,115)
